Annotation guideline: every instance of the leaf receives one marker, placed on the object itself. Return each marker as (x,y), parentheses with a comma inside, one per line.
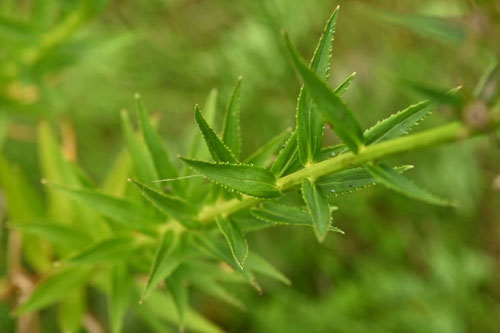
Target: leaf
(167,258)
(398,124)
(117,209)
(342,88)
(263,155)
(107,250)
(142,161)
(235,239)
(328,103)
(52,231)
(217,149)
(197,148)
(437,95)
(309,121)
(350,180)
(332,151)
(53,288)
(317,205)
(156,148)
(247,179)
(71,309)
(119,298)
(286,157)
(397,182)
(175,207)
(179,292)
(211,287)
(231,128)
(115,182)
(261,265)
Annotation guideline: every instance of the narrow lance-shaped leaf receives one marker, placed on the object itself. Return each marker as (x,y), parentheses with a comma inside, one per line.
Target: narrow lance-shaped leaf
(342,88)
(309,121)
(217,149)
(262,266)
(167,258)
(328,103)
(178,290)
(286,157)
(235,239)
(211,287)
(264,154)
(398,124)
(53,288)
(197,148)
(120,295)
(231,130)
(159,154)
(246,179)
(170,205)
(107,250)
(397,182)
(317,205)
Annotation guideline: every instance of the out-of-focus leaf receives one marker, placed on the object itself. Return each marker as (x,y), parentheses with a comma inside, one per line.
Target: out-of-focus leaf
(120,296)
(328,103)
(286,157)
(70,311)
(218,150)
(262,266)
(350,180)
(436,95)
(4,121)
(168,257)
(242,178)
(158,152)
(53,231)
(211,287)
(235,239)
(142,161)
(231,129)
(395,181)
(263,155)
(178,290)
(170,205)
(108,250)
(115,182)
(398,124)
(317,205)
(309,121)
(53,288)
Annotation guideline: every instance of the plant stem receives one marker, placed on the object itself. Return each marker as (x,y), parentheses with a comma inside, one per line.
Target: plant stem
(444,134)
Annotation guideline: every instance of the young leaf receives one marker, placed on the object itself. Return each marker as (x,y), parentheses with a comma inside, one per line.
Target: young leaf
(53,288)
(167,258)
(350,180)
(342,88)
(178,290)
(235,239)
(218,151)
(157,150)
(398,124)
(119,298)
(231,129)
(328,103)
(317,205)
(395,181)
(286,157)
(262,266)
(107,250)
(264,154)
(173,206)
(309,121)
(53,231)
(247,179)
(198,150)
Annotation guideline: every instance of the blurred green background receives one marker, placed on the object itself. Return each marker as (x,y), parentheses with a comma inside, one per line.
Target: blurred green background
(402,266)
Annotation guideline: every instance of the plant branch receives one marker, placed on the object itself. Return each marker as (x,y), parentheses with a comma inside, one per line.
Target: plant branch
(444,134)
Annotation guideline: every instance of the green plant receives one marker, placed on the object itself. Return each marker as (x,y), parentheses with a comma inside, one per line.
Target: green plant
(126,237)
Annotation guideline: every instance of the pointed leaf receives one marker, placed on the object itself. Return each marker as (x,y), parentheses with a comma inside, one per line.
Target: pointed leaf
(119,298)
(309,121)
(53,288)
(217,149)
(264,154)
(231,129)
(398,124)
(170,205)
(397,182)
(286,157)
(342,88)
(246,179)
(328,103)
(198,150)
(317,205)
(167,258)
(107,250)
(211,287)
(178,290)
(235,239)
(262,266)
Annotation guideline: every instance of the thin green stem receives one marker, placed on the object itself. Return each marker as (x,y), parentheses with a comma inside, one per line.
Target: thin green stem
(444,134)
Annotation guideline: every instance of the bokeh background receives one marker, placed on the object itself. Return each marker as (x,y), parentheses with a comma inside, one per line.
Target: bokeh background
(402,266)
